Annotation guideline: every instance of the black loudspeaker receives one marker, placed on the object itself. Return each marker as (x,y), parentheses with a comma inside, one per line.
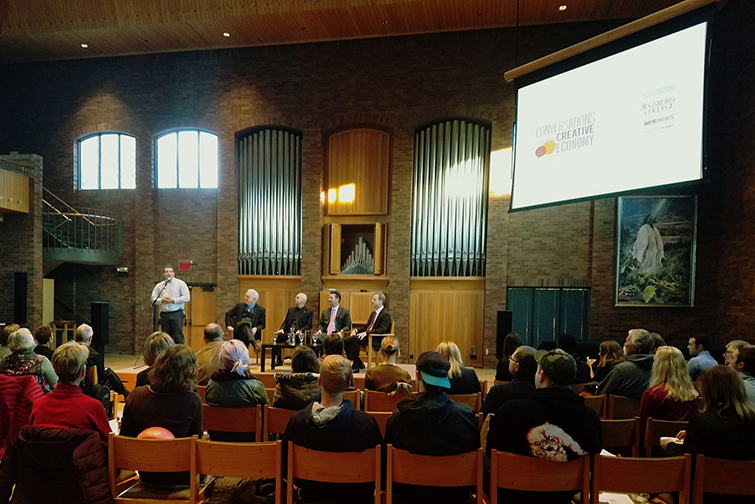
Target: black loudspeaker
(503,327)
(20,282)
(100,325)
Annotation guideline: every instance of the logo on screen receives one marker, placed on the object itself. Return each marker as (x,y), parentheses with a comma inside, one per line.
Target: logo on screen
(547,148)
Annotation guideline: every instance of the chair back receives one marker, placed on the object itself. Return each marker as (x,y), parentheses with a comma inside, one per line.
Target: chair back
(641,475)
(215,418)
(274,421)
(597,403)
(622,407)
(359,382)
(267,379)
(484,384)
(519,472)
(202,391)
(381,401)
(622,433)
(446,471)
(313,465)
(353,396)
(474,401)
(654,429)
(148,455)
(270,394)
(260,460)
(381,417)
(726,477)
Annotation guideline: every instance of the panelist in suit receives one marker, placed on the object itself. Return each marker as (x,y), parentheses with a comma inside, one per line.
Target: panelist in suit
(247,320)
(378,323)
(335,319)
(298,319)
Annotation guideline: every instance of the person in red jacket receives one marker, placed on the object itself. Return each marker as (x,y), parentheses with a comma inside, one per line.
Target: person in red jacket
(67,407)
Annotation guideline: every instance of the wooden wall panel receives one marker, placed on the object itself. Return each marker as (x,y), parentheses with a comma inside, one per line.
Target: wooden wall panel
(447,310)
(360,157)
(276,295)
(14,192)
(200,311)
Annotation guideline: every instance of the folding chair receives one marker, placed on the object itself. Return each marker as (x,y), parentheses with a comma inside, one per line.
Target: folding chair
(463,470)
(641,475)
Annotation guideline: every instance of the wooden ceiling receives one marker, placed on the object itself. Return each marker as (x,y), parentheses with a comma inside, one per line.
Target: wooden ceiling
(41,30)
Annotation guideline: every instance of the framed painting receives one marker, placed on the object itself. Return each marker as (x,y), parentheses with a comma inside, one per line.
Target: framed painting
(655,254)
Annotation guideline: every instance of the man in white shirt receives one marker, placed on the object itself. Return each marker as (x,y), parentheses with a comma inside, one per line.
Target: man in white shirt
(171,294)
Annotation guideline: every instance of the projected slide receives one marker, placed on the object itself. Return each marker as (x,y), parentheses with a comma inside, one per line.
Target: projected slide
(629,121)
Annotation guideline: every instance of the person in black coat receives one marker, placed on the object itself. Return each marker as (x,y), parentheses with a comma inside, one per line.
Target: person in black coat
(379,323)
(298,319)
(341,318)
(247,320)
(522,367)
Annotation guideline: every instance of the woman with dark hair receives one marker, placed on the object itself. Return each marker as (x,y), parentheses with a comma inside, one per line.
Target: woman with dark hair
(23,361)
(511,342)
(43,335)
(611,353)
(156,343)
(386,376)
(298,389)
(726,427)
(169,401)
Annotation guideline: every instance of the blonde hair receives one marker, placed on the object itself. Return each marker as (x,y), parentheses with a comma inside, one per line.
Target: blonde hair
(670,372)
(389,346)
(335,374)
(450,351)
(157,343)
(68,360)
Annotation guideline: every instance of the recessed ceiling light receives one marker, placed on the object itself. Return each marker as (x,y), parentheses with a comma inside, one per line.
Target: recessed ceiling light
(226,34)
(84,45)
(562,7)
(385,21)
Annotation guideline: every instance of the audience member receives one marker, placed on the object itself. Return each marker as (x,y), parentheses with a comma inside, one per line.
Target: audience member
(429,423)
(511,342)
(745,366)
(67,407)
(378,323)
(386,376)
(332,424)
(7,331)
(463,379)
(156,343)
(671,394)
(208,356)
(83,335)
(23,361)
(725,429)
(43,335)
(298,389)
(332,345)
(701,358)
(611,354)
(568,344)
(522,367)
(658,340)
(730,355)
(169,401)
(298,321)
(554,424)
(246,320)
(631,377)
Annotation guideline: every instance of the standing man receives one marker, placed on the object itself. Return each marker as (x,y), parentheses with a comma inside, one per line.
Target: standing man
(247,320)
(701,360)
(378,323)
(298,319)
(171,294)
(335,319)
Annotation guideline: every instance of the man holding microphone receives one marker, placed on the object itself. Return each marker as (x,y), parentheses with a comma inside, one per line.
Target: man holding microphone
(171,294)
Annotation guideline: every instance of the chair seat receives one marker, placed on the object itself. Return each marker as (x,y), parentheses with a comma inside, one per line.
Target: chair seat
(147,492)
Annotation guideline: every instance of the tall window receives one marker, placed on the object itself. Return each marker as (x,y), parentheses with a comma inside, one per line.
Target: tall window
(107,161)
(450,199)
(187,159)
(270,202)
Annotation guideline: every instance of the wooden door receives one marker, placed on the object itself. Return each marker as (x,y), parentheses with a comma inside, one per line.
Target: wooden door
(200,311)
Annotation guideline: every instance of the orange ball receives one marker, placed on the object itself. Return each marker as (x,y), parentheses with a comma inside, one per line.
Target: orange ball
(156,433)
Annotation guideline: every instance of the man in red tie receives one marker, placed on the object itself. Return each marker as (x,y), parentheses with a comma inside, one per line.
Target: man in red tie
(378,323)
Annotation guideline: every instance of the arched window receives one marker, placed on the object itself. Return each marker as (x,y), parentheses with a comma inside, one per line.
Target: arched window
(107,160)
(187,159)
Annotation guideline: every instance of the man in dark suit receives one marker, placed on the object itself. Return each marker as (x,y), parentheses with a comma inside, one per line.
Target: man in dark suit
(298,319)
(335,319)
(247,320)
(378,323)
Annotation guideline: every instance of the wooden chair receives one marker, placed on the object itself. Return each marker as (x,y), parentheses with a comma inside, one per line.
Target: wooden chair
(598,403)
(382,419)
(654,429)
(484,384)
(474,401)
(622,433)
(313,465)
(202,391)
(463,470)
(370,351)
(260,460)
(267,379)
(274,421)
(726,477)
(149,455)
(353,396)
(359,382)
(270,394)
(518,472)
(381,401)
(215,418)
(641,475)
(622,407)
